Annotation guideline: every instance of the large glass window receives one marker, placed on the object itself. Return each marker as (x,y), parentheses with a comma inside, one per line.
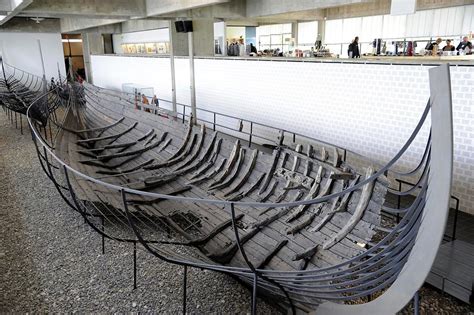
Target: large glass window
(274,36)
(350,29)
(333,34)
(422,26)
(307,34)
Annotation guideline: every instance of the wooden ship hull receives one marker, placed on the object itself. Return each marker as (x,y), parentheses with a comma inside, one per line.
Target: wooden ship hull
(139,150)
(296,213)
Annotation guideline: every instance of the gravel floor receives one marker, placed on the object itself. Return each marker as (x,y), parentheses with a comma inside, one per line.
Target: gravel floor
(50,261)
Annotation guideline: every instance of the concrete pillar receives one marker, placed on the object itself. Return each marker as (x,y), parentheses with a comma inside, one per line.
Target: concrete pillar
(321,30)
(108,44)
(294,32)
(179,41)
(92,44)
(203,37)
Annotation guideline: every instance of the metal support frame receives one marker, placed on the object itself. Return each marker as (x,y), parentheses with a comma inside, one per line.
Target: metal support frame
(192,83)
(173,72)
(416,303)
(103,235)
(134,265)
(185,280)
(456,207)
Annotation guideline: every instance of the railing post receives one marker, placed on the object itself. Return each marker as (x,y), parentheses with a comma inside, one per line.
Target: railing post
(185,280)
(250,134)
(103,233)
(416,303)
(214,122)
(134,265)
(455,223)
(184,113)
(399,200)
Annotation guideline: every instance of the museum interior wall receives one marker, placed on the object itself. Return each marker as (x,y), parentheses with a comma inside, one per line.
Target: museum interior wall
(26,55)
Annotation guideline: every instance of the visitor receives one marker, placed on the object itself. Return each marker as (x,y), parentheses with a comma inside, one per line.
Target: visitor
(137,97)
(154,101)
(463,44)
(353,51)
(448,46)
(253,49)
(433,48)
(146,102)
(468,49)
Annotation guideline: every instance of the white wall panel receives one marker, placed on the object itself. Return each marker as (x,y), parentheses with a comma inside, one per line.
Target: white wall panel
(21,50)
(307,32)
(371,28)
(333,32)
(351,28)
(370,109)
(394,26)
(468,19)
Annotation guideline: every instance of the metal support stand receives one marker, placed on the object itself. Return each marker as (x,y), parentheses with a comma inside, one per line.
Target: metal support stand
(21,124)
(416,303)
(254,294)
(185,280)
(173,72)
(399,200)
(192,82)
(134,265)
(103,233)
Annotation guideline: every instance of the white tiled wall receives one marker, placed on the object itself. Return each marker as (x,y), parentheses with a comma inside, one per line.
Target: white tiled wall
(370,109)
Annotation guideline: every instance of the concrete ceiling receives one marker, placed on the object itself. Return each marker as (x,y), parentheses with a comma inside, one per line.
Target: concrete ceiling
(69,16)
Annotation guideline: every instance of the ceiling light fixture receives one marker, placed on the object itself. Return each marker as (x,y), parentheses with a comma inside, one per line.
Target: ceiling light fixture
(37,19)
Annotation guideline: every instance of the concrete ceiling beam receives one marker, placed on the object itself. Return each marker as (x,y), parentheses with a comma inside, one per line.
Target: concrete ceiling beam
(26,25)
(143,25)
(260,8)
(86,8)
(15,11)
(69,25)
(160,7)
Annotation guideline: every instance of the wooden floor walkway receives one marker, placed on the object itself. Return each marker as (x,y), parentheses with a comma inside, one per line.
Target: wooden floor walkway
(453,270)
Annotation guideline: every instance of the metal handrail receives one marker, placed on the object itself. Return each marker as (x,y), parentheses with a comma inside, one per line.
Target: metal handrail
(252,123)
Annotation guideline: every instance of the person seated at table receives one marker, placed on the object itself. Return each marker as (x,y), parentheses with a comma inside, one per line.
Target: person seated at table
(434,47)
(448,46)
(463,44)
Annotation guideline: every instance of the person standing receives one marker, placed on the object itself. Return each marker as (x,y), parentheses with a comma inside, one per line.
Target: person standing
(353,51)
(253,49)
(154,101)
(145,102)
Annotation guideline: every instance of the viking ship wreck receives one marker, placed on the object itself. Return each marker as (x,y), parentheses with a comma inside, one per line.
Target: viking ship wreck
(298,219)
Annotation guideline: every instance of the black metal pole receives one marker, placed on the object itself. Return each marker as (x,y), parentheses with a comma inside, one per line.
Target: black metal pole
(21,124)
(185,280)
(254,294)
(134,265)
(250,134)
(103,237)
(455,223)
(399,200)
(416,304)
